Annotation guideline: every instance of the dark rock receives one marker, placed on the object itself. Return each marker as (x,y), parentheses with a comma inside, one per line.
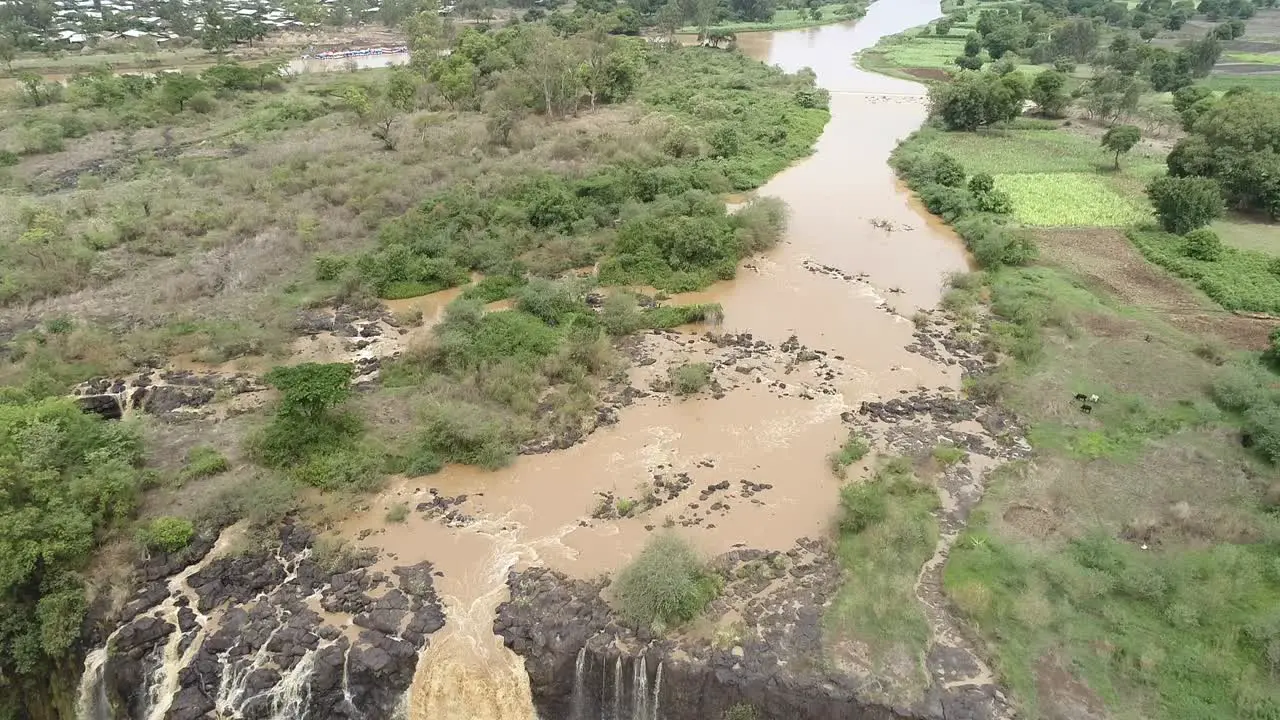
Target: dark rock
(107,406)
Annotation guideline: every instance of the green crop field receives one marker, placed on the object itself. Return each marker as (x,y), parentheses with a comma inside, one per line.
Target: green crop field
(1067,200)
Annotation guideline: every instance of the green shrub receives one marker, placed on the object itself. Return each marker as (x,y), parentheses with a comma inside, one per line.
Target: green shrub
(690,378)
(949,203)
(1202,244)
(308,418)
(340,469)
(463,433)
(947,455)
(666,585)
(8,158)
(167,534)
(41,137)
(263,500)
(993,244)
(621,314)
(72,126)
(1183,204)
(398,513)
(330,267)
(854,448)
(203,462)
(742,711)
(201,103)
(862,505)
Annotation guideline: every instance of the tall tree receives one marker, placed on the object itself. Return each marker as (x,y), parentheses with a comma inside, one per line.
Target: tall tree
(1121,139)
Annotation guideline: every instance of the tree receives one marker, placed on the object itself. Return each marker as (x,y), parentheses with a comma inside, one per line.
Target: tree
(1185,203)
(974,99)
(972,44)
(752,10)
(1111,94)
(1121,139)
(1006,38)
(8,51)
(177,89)
(383,117)
(668,19)
(1201,55)
(553,67)
(308,417)
(1049,93)
(943,28)
(307,12)
(504,107)
(1076,38)
(67,478)
(402,90)
(1234,139)
(216,36)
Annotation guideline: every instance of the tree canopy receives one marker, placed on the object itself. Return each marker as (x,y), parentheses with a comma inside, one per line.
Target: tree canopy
(66,477)
(974,99)
(1235,140)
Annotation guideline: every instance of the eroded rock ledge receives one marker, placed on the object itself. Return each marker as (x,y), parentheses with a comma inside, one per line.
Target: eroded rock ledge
(253,635)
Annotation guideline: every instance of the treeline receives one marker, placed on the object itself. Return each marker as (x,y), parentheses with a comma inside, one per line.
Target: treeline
(1065,34)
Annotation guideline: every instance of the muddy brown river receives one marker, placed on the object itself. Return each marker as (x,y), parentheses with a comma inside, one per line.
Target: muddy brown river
(858,259)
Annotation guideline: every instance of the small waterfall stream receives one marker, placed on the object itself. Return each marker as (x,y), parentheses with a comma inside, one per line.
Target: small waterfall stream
(624,695)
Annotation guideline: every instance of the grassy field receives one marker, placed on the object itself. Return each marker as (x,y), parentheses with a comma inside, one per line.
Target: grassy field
(789,19)
(1055,177)
(887,531)
(1262,82)
(1272,58)
(1245,233)
(1130,567)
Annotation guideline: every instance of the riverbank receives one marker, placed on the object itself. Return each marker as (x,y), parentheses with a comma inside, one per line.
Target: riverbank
(1094,572)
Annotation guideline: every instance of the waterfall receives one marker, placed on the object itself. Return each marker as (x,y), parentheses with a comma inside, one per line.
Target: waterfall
(617,689)
(92,702)
(657,693)
(577,702)
(293,692)
(640,690)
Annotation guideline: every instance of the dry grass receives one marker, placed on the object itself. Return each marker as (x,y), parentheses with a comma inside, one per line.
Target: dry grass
(234,214)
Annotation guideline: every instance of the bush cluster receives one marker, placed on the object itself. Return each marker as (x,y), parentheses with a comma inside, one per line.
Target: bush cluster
(666,585)
(976,208)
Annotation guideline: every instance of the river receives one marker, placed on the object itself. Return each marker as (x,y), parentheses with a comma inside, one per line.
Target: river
(847,214)
(829,312)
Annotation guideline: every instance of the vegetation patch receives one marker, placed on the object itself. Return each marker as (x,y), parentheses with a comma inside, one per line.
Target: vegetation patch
(852,450)
(690,378)
(68,479)
(202,462)
(1174,634)
(1067,200)
(1237,279)
(667,584)
(887,531)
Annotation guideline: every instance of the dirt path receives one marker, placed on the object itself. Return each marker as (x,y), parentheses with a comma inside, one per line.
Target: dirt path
(1109,260)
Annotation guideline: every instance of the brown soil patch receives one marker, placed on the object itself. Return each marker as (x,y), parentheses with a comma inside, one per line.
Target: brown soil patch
(1064,697)
(1106,259)
(927,73)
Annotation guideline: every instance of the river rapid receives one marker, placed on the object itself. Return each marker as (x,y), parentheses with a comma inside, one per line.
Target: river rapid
(858,259)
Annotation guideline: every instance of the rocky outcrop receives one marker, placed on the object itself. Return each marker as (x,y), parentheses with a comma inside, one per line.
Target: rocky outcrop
(171,395)
(272,632)
(583,662)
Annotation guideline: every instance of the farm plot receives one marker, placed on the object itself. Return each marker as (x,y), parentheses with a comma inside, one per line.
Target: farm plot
(1067,200)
